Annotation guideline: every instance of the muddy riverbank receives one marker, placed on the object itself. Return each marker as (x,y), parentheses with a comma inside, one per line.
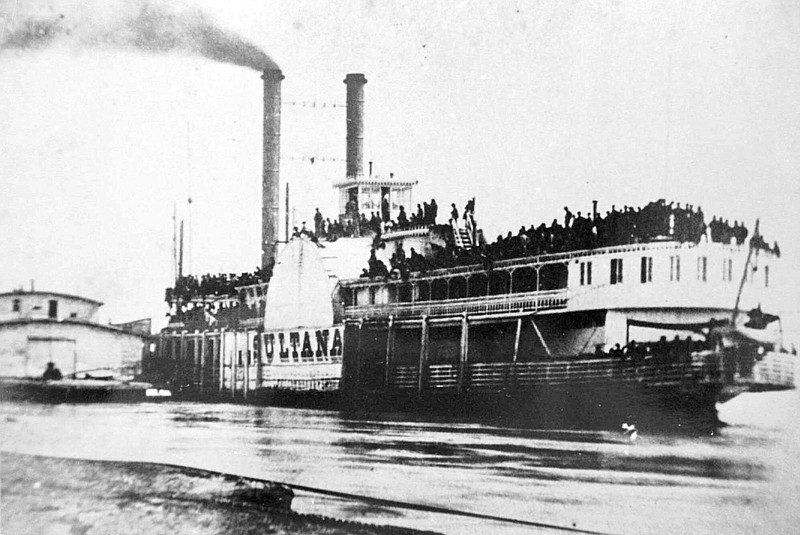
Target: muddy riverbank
(52,495)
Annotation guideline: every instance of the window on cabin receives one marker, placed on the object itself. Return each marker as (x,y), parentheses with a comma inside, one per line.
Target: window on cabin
(15,306)
(647,269)
(52,310)
(766,276)
(616,271)
(674,268)
(727,269)
(586,273)
(702,265)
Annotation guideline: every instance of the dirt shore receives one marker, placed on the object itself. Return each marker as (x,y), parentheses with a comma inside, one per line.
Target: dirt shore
(51,496)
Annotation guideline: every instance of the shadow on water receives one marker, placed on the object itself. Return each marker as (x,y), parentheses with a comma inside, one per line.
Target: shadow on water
(551,454)
(479,455)
(195,418)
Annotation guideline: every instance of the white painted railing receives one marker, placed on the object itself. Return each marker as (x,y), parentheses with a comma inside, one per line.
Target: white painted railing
(404,377)
(775,369)
(496,376)
(494,304)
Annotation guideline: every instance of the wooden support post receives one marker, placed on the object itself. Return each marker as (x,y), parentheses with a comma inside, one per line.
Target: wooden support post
(423,357)
(541,338)
(195,359)
(359,356)
(182,361)
(259,356)
(511,378)
(221,361)
(246,374)
(234,363)
(463,360)
(175,355)
(387,364)
(203,349)
(516,339)
(171,355)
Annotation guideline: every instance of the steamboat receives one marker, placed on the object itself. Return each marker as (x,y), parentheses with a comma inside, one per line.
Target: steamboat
(652,313)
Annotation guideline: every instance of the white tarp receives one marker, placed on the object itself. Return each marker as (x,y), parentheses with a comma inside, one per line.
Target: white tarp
(298,293)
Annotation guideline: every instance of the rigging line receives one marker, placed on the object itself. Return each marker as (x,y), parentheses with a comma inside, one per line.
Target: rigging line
(326,492)
(189,194)
(744,275)
(589,339)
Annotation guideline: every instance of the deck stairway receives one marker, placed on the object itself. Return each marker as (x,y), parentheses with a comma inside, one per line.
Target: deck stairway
(462,236)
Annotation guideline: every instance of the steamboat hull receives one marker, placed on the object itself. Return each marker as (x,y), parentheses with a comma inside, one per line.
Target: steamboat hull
(576,406)
(491,377)
(72,391)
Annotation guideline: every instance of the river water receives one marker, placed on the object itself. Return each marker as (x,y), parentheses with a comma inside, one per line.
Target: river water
(743,478)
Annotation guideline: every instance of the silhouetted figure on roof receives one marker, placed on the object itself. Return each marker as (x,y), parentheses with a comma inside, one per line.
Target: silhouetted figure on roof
(402,219)
(376,267)
(567,217)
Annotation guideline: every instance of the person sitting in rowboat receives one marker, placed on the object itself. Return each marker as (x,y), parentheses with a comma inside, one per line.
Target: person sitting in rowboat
(51,373)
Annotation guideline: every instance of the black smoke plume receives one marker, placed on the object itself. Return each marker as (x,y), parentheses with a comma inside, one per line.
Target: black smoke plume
(146,25)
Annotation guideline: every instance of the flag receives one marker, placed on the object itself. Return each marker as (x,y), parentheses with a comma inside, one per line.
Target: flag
(758,319)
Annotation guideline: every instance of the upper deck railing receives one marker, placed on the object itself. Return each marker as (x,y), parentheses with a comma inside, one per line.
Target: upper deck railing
(395,234)
(495,304)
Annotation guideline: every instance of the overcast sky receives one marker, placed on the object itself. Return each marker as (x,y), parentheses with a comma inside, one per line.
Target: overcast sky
(527,106)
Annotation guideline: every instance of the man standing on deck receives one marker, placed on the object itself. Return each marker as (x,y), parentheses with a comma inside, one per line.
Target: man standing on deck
(318,223)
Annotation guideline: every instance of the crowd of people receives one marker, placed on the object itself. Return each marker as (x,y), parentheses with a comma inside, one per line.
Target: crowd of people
(658,220)
(357,224)
(189,287)
(402,265)
(199,316)
(663,351)
(352,227)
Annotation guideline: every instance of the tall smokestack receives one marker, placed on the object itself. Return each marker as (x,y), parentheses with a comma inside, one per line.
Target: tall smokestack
(355,124)
(272,158)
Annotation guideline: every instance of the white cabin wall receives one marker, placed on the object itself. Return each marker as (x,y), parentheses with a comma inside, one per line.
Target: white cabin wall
(688,292)
(36,306)
(25,348)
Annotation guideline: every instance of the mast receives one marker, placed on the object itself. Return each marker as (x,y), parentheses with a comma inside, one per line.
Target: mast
(744,277)
(180,255)
(174,241)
